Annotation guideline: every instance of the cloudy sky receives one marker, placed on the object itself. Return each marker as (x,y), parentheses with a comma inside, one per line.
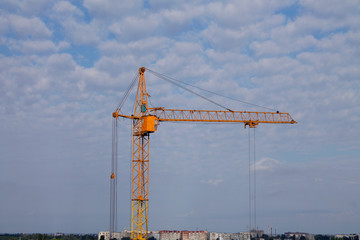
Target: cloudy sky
(64,66)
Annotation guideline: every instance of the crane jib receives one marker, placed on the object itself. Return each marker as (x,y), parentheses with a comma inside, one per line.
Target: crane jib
(221,116)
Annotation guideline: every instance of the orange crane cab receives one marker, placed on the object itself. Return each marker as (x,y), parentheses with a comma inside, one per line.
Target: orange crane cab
(149,124)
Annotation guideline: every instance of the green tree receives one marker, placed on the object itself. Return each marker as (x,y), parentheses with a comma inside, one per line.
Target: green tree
(41,237)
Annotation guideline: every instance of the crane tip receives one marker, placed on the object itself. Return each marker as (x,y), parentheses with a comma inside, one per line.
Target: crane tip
(142,70)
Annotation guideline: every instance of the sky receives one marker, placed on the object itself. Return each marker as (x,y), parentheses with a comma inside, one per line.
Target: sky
(65,65)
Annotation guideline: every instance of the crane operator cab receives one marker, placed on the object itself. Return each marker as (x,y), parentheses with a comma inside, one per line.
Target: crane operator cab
(149,124)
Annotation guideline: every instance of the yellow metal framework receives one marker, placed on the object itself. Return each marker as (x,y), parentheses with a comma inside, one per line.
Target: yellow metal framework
(248,118)
(140,165)
(145,121)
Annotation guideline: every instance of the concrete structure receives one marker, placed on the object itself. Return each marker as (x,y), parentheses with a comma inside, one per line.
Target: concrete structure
(256,233)
(228,236)
(106,235)
(204,235)
(170,235)
(298,235)
(182,235)
(127,234)
(194,235)
(349,236)
(154,234)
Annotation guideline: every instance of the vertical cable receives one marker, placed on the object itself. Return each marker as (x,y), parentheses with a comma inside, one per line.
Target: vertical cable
(116,172)
(113,180)
(249,186)
(130,168)
(111,230)
(254,181)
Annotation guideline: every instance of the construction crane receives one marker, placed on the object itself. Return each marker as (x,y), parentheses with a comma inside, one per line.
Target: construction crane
(145,121)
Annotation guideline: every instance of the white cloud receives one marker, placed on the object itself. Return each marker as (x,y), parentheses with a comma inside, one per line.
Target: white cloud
(213,182)
(29,8)
(283,46)
(224,37)
(77,29)
(267,164)
(4,24)
(331,8)
(33,47)
(61,63)
(146,46)
(352,182)
(234,14)
(64,9)
(188,214)
(163,4)
(82,33)
(318,180)
(136,27)
(63,45)
(28,27)
(112,9)
(163,22)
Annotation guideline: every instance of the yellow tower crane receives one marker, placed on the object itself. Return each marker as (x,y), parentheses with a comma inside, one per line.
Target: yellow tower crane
(145,121)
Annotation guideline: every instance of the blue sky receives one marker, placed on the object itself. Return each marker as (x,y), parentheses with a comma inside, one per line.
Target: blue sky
(64,66)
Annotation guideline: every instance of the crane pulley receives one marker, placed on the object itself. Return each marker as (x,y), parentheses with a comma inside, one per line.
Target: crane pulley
(145,121)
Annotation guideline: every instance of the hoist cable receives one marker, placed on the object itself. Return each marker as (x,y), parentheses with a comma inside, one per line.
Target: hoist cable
(113,179)
(249,186)
(254,181)
(208,91)
(170,80)
(126,94)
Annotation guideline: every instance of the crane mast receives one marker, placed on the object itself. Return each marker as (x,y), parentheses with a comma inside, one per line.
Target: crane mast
(140,164)
(145,121)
